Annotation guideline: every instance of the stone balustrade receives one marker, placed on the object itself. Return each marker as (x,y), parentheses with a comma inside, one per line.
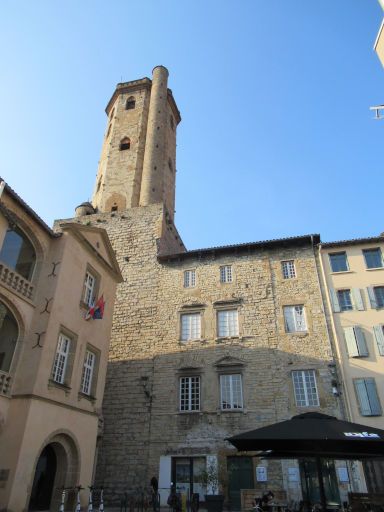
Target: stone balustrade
(15,281)
(5,383)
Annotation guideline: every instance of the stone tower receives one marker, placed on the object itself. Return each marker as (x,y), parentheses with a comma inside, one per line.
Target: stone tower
(138,158)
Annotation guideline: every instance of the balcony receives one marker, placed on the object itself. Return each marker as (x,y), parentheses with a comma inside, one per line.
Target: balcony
(5,383)
(15,282)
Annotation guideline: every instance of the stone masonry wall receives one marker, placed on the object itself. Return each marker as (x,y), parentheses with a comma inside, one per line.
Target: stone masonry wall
(141,404)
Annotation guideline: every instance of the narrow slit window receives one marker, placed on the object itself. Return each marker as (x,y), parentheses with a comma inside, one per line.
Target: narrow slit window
(130,104)
(125,144)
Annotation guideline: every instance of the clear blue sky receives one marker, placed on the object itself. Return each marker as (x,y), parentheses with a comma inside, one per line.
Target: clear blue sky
(276,137)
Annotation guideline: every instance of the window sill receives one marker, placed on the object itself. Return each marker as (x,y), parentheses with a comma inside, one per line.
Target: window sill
(64,387)
(195,340)
(302,334)
(90,398)
(225,411)
(342,272)
(374,268)
(190,412)
(221,339)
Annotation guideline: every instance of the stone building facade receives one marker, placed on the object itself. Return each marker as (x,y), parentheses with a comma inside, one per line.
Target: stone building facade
(52,360)
(205,343)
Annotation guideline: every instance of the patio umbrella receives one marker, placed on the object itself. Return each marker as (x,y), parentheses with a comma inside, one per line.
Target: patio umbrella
(314,435)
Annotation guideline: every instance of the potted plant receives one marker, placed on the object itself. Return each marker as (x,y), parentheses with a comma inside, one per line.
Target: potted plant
(210,478)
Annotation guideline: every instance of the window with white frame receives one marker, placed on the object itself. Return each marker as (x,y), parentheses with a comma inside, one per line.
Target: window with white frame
(338,261)
(89,289)
(355,341)
(376,296)
(231,392)
(61,359)
(367,397)
(190,393)
(189,278)
(88,372)
(345,300)
(305,388)
(226,274)
(227,323)
(190,326)
(294,318)
(288,268)
(373,258)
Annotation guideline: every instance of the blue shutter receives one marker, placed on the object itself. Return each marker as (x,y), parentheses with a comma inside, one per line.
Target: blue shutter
(372,397)
(362,397)
(357,299)
(379,335)
(372,297)
(334,300)
(361,343)
(349,333)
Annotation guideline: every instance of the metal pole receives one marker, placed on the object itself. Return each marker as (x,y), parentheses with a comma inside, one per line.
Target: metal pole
(61,508)
(90,505)
(323,499)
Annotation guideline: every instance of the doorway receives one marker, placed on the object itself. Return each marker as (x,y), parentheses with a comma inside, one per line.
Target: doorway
(310,482)
(186,476)
(42,488)
(240,476)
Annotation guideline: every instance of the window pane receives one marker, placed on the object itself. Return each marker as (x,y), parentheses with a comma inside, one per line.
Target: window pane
(61,359)
(379,295)
(86,381)
(338,261)
(345,301)
(288,268)
(189,278)
(294,317)
(226,274)
(89,287)
(228,323)
(231,392)
(190,393)
(18,253)
(304,385)
(190,326)
(9,332)
(373,258)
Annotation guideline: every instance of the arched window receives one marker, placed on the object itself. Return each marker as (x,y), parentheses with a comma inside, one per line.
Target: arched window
(18,253)
(125,143)
(131,103)
(9,332)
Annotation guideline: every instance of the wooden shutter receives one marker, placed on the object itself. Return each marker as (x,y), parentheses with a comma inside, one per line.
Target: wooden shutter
(357,299)
(379,335)
(372,297)
(362,397)
(361,343)
(373,397)
(351,341)
(334,300)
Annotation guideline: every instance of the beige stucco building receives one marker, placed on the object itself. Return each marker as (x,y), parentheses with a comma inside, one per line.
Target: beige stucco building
(205,343)
(379,42)
(52,360)
(353,272)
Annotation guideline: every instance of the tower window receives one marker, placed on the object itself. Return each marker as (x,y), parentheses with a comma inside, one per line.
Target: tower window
(130,104)
(170,165)
(125,143)
(114,208)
